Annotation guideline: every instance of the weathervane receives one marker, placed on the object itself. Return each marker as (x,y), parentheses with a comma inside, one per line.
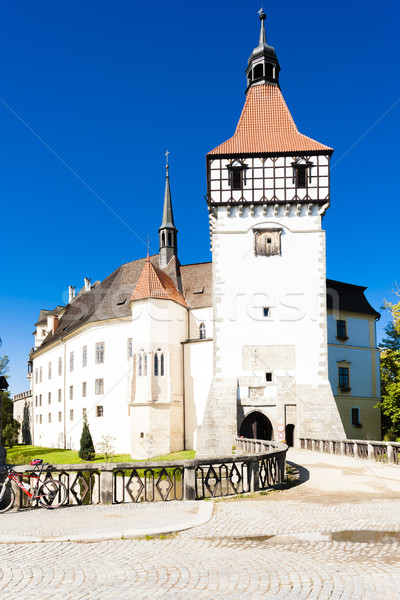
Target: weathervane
(166,154)
(148,246)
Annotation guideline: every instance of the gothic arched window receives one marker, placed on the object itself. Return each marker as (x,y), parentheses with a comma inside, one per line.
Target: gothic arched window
(140,365)
(156,364)
(162,365)
(202,331)
(145,364)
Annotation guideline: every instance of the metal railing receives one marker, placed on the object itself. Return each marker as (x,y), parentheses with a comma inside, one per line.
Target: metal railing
(386,452)
(257,465)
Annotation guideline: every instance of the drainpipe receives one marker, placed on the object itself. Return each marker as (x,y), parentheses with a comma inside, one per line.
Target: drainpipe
(64,393)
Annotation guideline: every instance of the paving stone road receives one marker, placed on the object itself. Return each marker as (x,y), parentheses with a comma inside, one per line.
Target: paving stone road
(287,545)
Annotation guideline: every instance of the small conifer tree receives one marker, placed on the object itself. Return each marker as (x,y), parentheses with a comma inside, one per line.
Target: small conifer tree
(26,426)
(86,450)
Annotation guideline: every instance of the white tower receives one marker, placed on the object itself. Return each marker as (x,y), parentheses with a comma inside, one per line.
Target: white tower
(268,189)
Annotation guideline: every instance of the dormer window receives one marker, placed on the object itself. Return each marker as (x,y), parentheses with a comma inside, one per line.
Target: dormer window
(237,176)
(301,173)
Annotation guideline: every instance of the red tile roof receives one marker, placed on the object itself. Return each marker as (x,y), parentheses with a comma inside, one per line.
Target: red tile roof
(154,283)
(266,125)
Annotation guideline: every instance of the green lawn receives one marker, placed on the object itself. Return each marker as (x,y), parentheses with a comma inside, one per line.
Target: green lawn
(20,455)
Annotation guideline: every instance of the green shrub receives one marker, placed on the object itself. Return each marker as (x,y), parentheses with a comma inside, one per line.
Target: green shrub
(86,450)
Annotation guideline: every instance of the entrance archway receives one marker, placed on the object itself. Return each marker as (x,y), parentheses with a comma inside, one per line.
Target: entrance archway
(256,426)
(289,434)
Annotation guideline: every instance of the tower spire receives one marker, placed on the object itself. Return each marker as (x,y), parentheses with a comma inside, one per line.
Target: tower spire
(263,37)
(167,232)
(263,65)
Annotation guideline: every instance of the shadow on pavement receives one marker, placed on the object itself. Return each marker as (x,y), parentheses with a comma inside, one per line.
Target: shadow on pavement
(300,474)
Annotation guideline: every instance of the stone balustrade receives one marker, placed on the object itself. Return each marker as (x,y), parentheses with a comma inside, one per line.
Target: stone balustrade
(256,465)
(386,452)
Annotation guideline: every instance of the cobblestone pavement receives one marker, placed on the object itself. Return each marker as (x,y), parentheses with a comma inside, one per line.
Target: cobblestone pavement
(273,547)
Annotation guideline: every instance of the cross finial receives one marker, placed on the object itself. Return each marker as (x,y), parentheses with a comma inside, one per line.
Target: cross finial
(166,155)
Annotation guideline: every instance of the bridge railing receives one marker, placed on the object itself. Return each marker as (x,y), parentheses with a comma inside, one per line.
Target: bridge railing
(386,452)
(257,465)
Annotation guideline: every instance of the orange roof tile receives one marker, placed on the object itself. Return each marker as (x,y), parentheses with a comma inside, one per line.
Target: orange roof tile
(266,125)
(154,283)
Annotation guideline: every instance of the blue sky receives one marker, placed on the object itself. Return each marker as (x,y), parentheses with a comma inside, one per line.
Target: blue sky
(93,93)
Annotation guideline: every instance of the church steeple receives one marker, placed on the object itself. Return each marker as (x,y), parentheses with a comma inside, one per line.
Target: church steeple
(263,64)
(167,232)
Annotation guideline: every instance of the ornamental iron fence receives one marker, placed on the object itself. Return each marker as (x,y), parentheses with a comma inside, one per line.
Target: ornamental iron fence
(257,465)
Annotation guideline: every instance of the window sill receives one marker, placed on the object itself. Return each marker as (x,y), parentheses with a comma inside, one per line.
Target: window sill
(342,339)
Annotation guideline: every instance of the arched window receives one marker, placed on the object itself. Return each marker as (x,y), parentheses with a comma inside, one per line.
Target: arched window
(202,331)
(156,365)
(162,365)
(163,239)
(145,365)
(140,363)
(169,239)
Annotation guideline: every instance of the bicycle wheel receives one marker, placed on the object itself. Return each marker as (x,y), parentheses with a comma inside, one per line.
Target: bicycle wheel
(7,497)
(52,493)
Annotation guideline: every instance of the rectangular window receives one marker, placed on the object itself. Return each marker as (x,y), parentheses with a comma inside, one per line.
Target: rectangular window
(40,399)
(344,380)
(355,416)
(59,395)
(59,416)
(84,356)
(36,375)
(129,348)
(40,419)
(99,386)
(301,176)
(268,376)
(49,370)
(84,413)
(71,392)
(99,411)
(49,417)
(266,311)
(71,361)
(49,397)
(60,366)
(99,353)
(40,374)
(237,175)
(71,415)
(84,389)
(341,330)
(35,400)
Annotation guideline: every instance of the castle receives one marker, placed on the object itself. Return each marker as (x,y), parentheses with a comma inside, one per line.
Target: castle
(165,356)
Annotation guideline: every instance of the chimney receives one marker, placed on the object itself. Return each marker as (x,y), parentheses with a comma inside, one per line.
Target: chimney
(71,293)
(88,287)
(52,323)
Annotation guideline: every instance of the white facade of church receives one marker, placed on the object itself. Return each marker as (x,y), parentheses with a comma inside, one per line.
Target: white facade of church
(258,343)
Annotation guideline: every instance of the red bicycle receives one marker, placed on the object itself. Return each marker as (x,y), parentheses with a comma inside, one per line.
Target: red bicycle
(48,492)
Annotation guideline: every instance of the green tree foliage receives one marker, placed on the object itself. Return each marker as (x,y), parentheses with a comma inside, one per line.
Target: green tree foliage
(10,433)
(26,426)
(8,425)
(390,375)
(86,450)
